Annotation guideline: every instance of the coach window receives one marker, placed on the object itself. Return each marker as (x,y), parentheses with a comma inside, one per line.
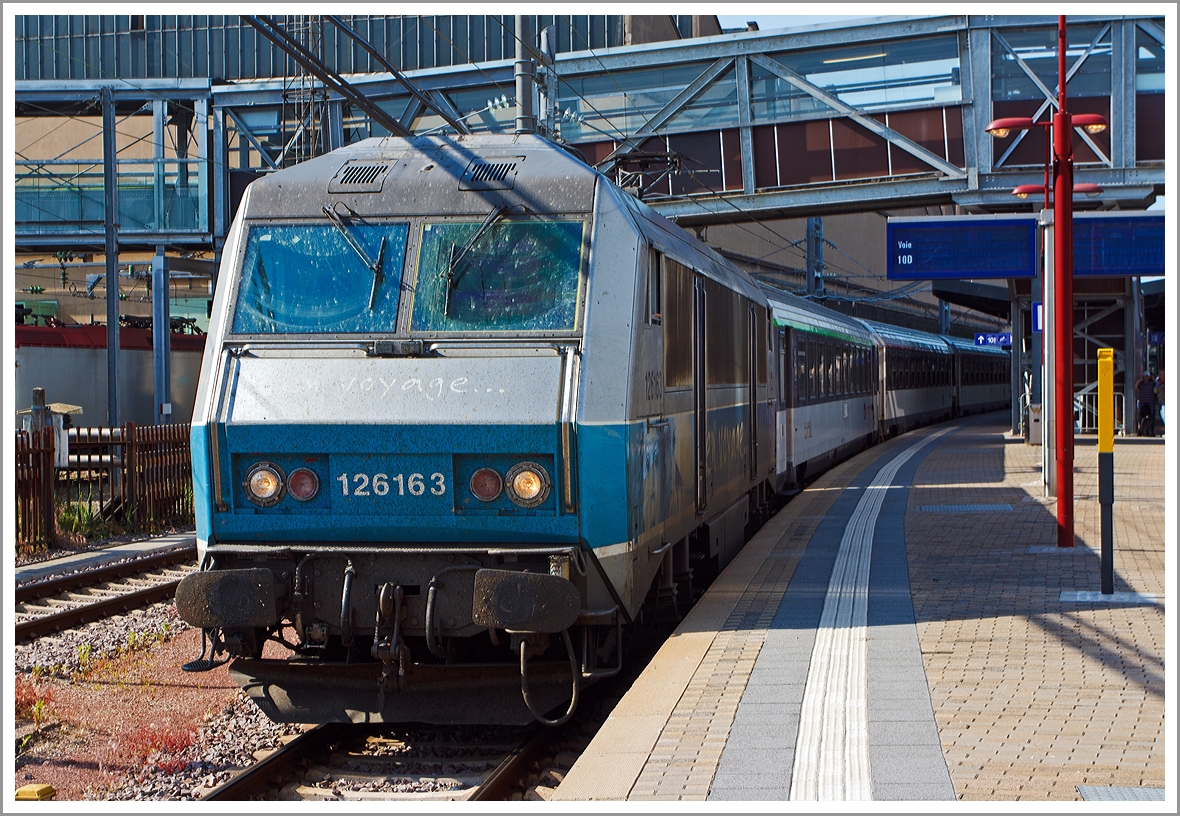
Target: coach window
(784,360)
(813,369)
(837,370)
(825,371)
(846,369)
(760,316)
(801,369)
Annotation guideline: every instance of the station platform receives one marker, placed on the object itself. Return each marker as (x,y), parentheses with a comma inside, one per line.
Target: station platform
(907,629)
(102,556)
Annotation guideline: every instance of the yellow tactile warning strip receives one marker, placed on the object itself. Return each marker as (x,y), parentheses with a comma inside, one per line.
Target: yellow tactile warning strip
(665,738)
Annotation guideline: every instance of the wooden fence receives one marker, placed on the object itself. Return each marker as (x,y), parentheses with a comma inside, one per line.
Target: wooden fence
(138,476)
(34,487)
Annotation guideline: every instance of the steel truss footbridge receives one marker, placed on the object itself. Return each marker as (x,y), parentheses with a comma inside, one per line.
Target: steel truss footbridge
(880,113)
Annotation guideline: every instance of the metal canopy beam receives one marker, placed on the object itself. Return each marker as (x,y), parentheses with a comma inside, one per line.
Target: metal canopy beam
(992,300)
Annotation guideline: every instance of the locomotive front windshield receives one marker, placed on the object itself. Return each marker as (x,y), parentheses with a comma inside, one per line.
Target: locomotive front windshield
(321,278)
(499,276)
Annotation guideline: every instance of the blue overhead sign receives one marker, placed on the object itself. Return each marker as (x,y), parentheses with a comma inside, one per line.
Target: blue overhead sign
(962,247)
(1118,245)
(994,339)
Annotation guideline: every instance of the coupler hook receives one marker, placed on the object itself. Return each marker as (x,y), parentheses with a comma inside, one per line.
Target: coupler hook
(388,646)
(575,672)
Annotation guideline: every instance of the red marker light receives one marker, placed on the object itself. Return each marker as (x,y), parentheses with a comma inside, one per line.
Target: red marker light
(303,484)
(486,484)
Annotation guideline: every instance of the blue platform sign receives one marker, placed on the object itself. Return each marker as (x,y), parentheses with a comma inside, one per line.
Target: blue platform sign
(1118,245)
(1038,316)
(962,247)
(994,339)
(1155,338)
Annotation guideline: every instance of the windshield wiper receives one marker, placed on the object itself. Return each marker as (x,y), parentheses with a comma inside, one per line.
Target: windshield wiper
(374,266)
(456,257)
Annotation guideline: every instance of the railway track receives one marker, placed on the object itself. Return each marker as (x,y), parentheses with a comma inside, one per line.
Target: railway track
(344,762)
(55,604)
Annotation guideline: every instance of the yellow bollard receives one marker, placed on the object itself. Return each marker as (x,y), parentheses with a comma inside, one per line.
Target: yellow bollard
(1105,400)
(35,793)
(1106,465)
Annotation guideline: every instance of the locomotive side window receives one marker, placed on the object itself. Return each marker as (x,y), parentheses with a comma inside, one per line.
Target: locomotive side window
(727,353)
(498,276)
(655,274)
(303,278)
(677,321)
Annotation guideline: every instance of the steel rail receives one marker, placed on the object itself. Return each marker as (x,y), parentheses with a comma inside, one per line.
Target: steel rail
(43,625)
(499,783)
(54,586)
(257,777)
(88,611)
(251,781)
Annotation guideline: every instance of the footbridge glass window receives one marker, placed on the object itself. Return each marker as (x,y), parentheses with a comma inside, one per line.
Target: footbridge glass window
(312,278)
(869,75)
(499,276)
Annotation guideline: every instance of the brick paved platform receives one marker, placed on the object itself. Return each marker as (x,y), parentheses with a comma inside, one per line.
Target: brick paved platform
(978,681)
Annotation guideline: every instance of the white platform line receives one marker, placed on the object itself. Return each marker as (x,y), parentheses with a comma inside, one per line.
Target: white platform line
(832,749)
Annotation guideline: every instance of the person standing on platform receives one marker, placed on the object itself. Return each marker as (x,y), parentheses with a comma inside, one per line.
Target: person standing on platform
(1159,399)
(1145,396)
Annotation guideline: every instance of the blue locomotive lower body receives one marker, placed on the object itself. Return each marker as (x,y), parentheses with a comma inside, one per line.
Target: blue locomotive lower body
(398,582)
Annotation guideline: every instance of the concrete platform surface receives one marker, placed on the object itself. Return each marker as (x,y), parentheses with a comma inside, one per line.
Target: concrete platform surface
(102,556)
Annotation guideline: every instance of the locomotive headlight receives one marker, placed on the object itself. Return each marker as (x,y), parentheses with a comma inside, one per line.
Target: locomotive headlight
(528,484)
(264,484)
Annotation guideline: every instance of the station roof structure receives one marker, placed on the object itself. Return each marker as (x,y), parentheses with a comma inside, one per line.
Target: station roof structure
(881,112)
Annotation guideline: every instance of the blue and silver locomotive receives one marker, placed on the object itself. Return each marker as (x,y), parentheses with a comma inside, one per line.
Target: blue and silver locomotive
(463,402)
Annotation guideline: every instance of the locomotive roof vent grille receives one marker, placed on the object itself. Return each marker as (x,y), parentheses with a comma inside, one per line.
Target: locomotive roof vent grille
(490,175)
(360,177)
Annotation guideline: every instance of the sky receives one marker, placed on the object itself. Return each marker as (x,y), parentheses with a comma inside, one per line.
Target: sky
(767,22)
